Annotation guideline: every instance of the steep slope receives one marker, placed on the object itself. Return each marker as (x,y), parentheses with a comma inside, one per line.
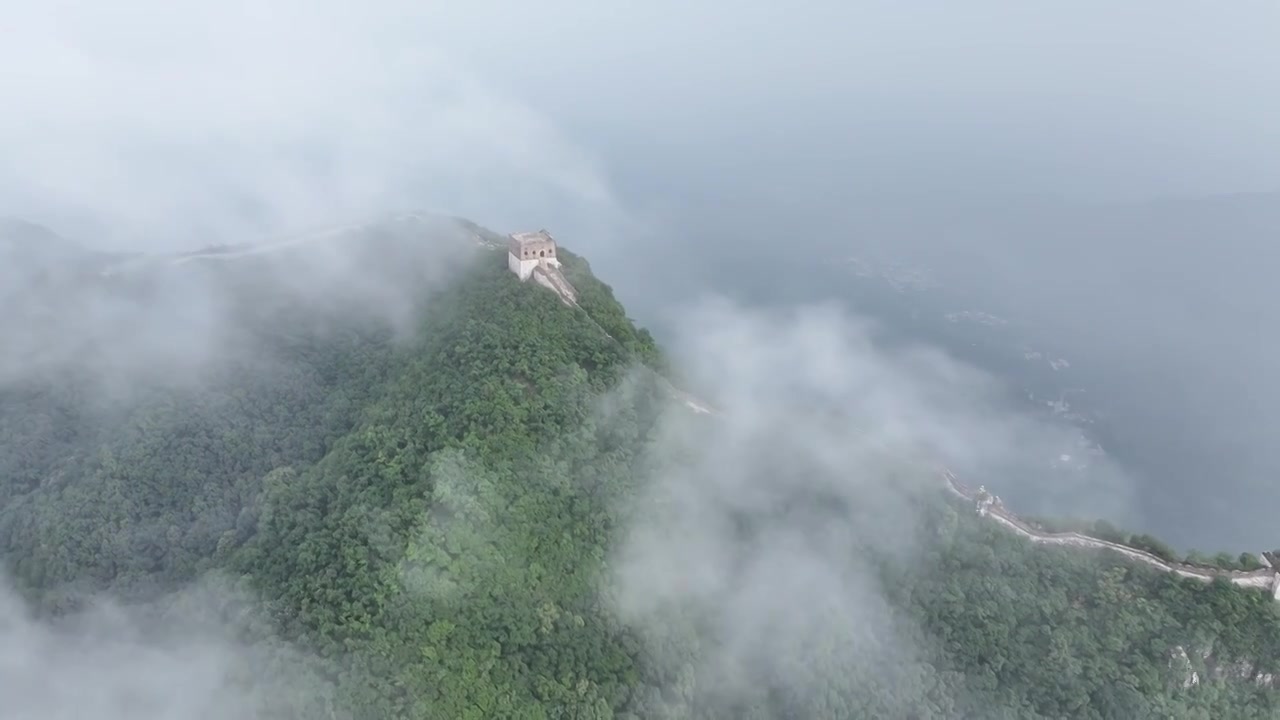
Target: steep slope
(421,469)
(315,451)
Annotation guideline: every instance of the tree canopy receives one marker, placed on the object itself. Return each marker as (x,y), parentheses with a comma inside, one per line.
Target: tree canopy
(430,518)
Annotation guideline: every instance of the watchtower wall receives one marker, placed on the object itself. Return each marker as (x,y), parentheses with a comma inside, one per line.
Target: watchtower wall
(529,250)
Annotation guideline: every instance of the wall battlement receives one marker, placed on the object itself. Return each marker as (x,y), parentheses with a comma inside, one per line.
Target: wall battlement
(989,506)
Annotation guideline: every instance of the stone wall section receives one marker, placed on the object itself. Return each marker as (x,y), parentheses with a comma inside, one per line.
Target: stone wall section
(989,506)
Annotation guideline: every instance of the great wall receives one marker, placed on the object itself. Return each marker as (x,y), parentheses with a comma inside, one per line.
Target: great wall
(533,255)
(989,506)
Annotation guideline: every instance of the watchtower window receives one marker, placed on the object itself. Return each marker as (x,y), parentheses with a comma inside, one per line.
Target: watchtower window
(542,253)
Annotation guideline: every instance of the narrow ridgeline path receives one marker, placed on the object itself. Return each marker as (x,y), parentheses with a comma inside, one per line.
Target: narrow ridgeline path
(989,506)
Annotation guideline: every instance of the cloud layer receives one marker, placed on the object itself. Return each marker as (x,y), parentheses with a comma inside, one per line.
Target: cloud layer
(177,318)
(185,123)
(762,521)
(185,658)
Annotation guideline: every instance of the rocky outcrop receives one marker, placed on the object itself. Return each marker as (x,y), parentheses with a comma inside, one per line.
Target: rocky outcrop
(1210,668)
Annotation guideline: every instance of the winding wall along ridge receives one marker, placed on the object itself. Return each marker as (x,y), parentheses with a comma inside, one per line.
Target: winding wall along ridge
(1266,578)
(987,505)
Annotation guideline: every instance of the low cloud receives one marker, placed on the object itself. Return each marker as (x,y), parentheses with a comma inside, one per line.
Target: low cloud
(763,524)
(186,657)
(176,126)
(180,318)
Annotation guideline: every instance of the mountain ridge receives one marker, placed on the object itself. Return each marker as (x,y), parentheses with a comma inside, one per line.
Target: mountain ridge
(428,495)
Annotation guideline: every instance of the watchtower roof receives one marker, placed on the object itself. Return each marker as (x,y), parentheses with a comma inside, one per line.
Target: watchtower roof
(530,237)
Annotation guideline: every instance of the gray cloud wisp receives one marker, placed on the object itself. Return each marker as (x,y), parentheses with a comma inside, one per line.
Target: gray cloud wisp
(109,662)
(178,124)
(761,521)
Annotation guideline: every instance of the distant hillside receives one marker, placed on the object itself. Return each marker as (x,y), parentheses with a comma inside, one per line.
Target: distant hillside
(419,471)
(1155,305)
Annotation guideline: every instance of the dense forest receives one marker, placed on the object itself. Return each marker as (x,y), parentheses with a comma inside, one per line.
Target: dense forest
(422,511)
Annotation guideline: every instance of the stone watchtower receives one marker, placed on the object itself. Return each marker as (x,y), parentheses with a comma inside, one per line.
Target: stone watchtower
(529,250)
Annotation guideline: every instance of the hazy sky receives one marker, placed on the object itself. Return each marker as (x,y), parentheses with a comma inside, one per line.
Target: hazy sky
(645,133)
(980,98)
(685,129)
(497,109)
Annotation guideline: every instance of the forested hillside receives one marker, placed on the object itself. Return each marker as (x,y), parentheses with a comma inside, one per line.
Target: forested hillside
(421,481)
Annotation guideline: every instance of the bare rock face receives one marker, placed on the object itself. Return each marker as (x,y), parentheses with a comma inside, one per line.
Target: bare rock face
(1213,668)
